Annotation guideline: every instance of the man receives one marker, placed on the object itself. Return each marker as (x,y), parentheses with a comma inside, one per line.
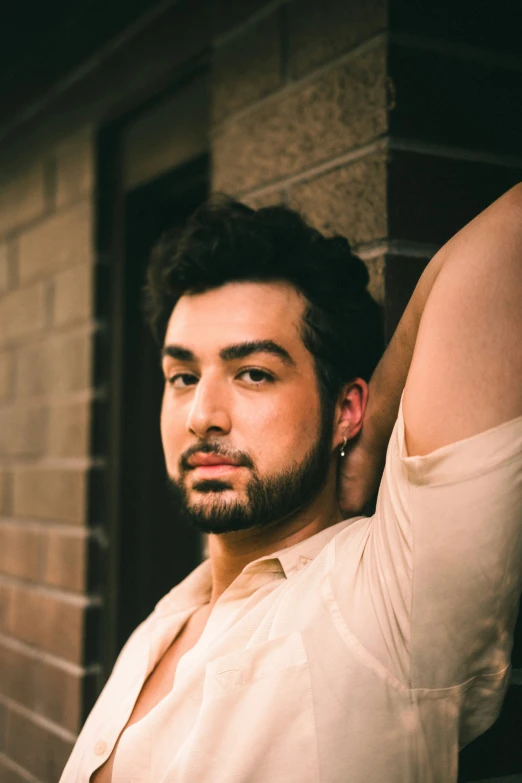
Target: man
(315,645)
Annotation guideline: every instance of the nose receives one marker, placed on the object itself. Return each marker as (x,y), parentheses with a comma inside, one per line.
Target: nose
(209,412)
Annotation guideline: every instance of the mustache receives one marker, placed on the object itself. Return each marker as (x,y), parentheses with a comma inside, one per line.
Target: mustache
(218,449)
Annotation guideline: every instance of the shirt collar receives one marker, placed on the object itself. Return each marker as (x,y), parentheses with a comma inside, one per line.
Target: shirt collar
(195,590)
(297,556)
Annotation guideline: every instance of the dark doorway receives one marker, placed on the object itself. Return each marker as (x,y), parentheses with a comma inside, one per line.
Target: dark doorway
(154,551)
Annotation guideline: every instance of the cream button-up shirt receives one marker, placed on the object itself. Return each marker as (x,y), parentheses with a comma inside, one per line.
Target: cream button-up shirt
(367,653)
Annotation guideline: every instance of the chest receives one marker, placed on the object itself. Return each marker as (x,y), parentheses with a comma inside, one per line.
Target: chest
(158,685)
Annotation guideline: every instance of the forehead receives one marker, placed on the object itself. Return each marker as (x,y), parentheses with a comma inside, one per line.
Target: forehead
(238,312)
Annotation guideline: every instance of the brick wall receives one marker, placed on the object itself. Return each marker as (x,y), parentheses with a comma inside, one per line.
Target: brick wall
(46,331)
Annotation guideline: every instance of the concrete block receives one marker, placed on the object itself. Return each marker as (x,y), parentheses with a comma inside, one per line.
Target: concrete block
(4,268)
(65,560)
(5,492)
(350,200)
(35,748)
(6,375)
(43,493)
(49,622)
(74,168)
(62,240)
(61,364)
(59,696)
(20,551)
(321,32)
(22,197)
(343,108)
(19,674)
(22,431)
(247,67)
(68,430)
(73,295)
(22,313)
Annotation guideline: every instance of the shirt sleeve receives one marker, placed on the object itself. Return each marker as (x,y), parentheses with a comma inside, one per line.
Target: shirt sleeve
(430,584)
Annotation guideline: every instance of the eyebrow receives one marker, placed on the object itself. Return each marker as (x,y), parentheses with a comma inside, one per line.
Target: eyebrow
(231,352)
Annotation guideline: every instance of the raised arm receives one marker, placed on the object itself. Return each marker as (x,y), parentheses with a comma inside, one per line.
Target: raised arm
(456,352)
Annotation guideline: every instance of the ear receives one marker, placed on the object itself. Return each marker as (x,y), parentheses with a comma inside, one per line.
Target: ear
(349,411)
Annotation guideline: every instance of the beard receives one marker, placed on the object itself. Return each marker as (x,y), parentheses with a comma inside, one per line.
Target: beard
(268,498)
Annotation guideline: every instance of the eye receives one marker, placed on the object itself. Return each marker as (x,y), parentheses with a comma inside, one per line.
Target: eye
(182,380)
(257,377)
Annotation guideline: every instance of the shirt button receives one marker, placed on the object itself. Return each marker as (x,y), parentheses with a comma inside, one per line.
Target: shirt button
(100,748)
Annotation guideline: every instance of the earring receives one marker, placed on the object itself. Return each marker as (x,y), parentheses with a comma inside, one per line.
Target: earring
(345,441)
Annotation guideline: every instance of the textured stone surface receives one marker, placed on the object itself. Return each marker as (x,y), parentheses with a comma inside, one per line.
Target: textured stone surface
(342,108)
(20,551)
(432,197)
(5,492)
(477,104)
(35,748)
(22,431)
(65,239)
(19,674)
(4,268)
(350,200)
(74,168)
(272,199)
(73,295)
(68,430)
(318,32)
(62,364)
(22,313)
(247,67)
(48,622)
(6,375)
(42,493)
(376,268)
(6,608)
(65,560)
(59,696)
(22,197)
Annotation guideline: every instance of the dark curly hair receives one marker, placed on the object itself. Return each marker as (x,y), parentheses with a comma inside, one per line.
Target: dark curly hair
(226,241)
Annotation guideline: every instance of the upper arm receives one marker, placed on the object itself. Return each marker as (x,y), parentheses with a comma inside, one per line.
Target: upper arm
(466,371)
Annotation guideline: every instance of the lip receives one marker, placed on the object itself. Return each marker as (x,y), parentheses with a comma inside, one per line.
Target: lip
(211,460)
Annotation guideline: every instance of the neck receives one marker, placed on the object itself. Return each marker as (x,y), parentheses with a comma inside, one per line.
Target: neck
(231,552)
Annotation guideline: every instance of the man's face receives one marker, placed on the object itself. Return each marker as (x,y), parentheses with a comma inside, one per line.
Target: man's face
(241,424)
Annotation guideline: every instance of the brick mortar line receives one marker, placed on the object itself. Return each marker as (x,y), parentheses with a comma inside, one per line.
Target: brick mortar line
(39,526)
(66,597)
(10,764)
(464,51)
(88,328)
(45,215)
(60,463)
(39,720)
(454,153)
(395,247)
(361,49)
(91,394)
(50,277)
(380,143)
(246,24)
(38,654)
